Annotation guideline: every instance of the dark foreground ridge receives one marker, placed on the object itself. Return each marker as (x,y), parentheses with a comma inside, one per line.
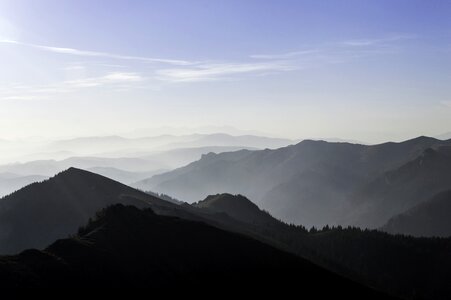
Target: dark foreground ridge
(128,247)
(41,213)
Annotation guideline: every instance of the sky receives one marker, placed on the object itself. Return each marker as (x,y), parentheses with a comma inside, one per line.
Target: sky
(364,70)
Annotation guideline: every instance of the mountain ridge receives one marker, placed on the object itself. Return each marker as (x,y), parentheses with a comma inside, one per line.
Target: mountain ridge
(310,183)
(429,218)
(38,214)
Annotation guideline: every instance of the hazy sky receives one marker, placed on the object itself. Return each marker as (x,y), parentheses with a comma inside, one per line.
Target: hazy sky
(365,70)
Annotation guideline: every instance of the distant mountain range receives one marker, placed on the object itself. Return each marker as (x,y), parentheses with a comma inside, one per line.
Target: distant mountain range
(116,146)
(123,159)
(315,183)
(10,182)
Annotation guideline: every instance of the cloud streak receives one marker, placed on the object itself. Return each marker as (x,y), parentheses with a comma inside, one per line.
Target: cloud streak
(86,53)
(207,72)
(117,80)
(176,70)
(372,42)
(365,46)
(285,55)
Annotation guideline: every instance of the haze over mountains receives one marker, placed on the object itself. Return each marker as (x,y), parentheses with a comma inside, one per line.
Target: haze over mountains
(395,187)
(124,159)
(315,183)
(284,149)
(312,183)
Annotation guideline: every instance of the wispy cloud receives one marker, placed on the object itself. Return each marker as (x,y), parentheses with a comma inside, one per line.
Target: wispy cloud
(339,52)
(372,41)
(342,50)
(286,55)
(111,78)
(178,70)
(78,52)
(206,72)
(118,80)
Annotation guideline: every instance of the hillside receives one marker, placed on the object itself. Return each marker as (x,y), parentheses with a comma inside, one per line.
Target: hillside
(40,213)
(403,188)
(49,210)
(127,247)
(237,207)
(311,183)
(408,267)
(429,218)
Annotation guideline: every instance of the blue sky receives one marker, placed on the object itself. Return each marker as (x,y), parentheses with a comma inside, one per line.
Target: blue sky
(365,70)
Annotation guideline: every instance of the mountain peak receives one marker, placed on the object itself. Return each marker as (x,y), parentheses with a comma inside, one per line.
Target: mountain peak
(236,206)
(226,199)
(73,170)
(60,205)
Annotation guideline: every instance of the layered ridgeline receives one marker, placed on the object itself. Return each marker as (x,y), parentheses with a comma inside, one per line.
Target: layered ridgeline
(44,212)
(40,213)
(430,218)
(126,160)
(316,182)
(127,247)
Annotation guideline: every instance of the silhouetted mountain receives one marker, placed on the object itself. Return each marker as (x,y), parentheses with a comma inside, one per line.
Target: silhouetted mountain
(44,211)
(311,183)
(411,268)
(429,218)
(40,213)
(236,206)
(127,247)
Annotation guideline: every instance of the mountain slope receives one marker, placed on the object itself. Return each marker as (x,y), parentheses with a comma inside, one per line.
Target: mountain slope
(128,247)
(355,254)
(40,213)
(410,268)
(399,190)
(16,182)
(310,183)
(429,218)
